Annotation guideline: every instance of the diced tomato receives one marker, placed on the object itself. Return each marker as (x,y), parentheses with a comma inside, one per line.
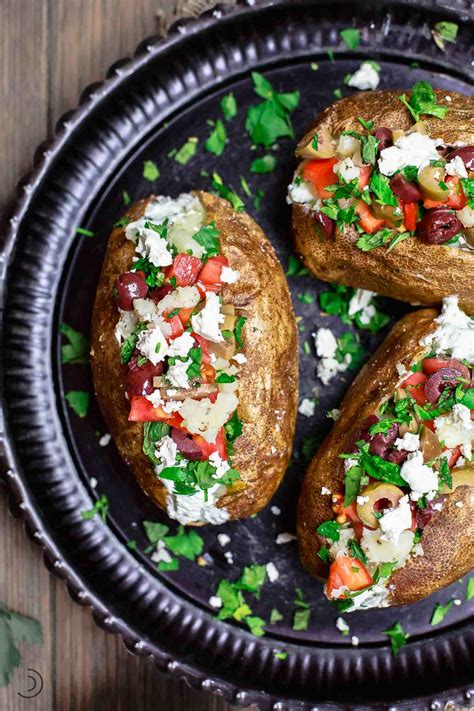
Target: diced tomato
(185,315)
(141,410)
(202,288)
(455,454)
(184,269)
(410,215)
(432,365)
(348,572)
(208,373)
(457,199)
(353,516)
(364,176)
(211,271)
(176,326)
(368,221)
(429,204)
(320,174)
(207,448)
(204,346)
(414,386)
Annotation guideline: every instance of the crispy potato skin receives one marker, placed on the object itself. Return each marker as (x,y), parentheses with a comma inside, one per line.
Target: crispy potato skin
(413,272)
(447,555)
(268,392)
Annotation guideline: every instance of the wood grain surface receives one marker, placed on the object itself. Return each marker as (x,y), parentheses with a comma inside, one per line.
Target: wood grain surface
(49,51)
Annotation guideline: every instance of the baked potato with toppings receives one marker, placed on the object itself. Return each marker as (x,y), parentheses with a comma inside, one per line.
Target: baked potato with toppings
(391,521)
(200,326)
(400,222)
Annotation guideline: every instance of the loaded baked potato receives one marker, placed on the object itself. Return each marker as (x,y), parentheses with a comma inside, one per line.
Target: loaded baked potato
(383,198)
(191,324)
(386,511)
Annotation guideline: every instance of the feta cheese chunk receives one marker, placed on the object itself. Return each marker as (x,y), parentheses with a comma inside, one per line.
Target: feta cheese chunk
(421,478)
(347,170)
(456,428)
(326,347)
(413,149)
(229,276)
(272,572)
(395,521)
(307,407)
(300,192)
(177,374)
(182,345)
(456,167)
(152,344)
(366,77)
(125,325)
(206,322)
(205,417)
(455,332)
(409,442)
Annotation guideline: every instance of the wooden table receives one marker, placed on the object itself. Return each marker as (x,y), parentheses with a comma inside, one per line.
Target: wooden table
(50,50)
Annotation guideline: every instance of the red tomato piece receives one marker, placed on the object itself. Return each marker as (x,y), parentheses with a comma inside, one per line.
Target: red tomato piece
(176,326)
(185,315)
(211,271)
(208,448)
(352,515)
(410,215)
(208,373)
(432,365)
(368,221)
(414,386)
(141,410)
(348,572)
(320,174)
(184,269)
(204,346)
(455,454)
(457,200)
(364,176)
(202,288)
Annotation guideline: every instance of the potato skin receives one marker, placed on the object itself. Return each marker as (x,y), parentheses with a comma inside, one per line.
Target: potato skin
(447,553)
(268,393)
(412,272)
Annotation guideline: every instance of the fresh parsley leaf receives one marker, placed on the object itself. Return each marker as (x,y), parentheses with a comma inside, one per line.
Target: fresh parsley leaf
(155,531)
(423,102)
(379,468)
(150,171)
(227,193)
(208,237)
(470,589)
(187,151)
(350,37)
(78,400)
(445,472)
(77,350)
(440,612)
(295,268)
(225,378)
(233,429)
(100,507)
(366,242)
(245,186)
(468,189)
(263,165)
(126,198)
(154,276)
(380,186)
(280,655)
(400,237)
(216,142)
(269,120)
(323,553)
(306,297)
(302,615)
(329,529)
(84,232)
(252,579)
(229,106)
(445,32)
(356,550)
(185,544)
(168,566)
(352,484)
(130,343)
(397,636)
(348,344)
(255,625)
(368,125)
(153,432)
(337,93)
(276,616)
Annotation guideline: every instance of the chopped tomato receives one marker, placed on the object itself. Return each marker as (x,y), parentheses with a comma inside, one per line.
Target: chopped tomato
(204,346)
(348,572)
(176,326)
(208,373)
(455,454)
(368,221)
(207,448)
(414,386)
(429,204)
(185,315)
(211,271)
(353,516)
(432,365)
(410,215)
(202,288)
(457,200)
(364,176)
(184,269)
(141,410)
(320,174)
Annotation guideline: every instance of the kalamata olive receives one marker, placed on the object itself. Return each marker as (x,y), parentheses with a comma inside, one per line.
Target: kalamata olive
(363,431)
(188,447)
(406,191)
(139,379)
(438,226)
(130,286)
(160,292)
(439,381)
(381,443)
(397,456)
(324,224)
(424,516)
(384,137)
(466,153)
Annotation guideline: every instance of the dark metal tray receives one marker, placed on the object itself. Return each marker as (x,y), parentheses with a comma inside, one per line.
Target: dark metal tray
(146,107)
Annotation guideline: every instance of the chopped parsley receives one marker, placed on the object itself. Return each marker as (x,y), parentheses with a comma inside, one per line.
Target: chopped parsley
(229,106)
(227,193)
(295,268)
(78,400)
(398,638)
(445,32)
(150,172)
(208,237)
(153,432)
(306,297)
(423,102)
(77,349)
(302,614)
(154,276)
(130,343)
(84,232)
(265,164)
(350,37)
(276,616)
(440,612)
(336,302)
(234,604)
(380,186)
(187,151)
(470,589)
(216,142)
(329,529)
(100,507)
(270,119)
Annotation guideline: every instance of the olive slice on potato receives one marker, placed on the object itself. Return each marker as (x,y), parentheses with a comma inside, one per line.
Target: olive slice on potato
(323,147)
(462,476)
(468,234)
(430,179)
(392,213)
(429,445)
(380,496)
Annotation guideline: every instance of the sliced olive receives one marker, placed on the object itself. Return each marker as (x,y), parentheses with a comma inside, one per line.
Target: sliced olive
(387,212)
(429,179)
(380,496)
(462,476)
(224,350)
(419,127)
(468,234)
(429,445)
(412,426)
(316,145)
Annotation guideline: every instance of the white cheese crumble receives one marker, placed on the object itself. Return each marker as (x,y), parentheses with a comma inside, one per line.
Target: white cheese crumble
(145,309)
(152,344)
(455,332)
(223,539)
(421,478)
(205,417)
(354,641)
(409,442)
(395,521)
(347,170)
(300,192)
(105,439)
(325,491)
(285,538)
(229,276)
(272,572)
(359,301)
(375,596)
(177,374)
(456,167)
(182,345)
(161,554)
(326,348)
(215,602)
(456,428)
(125,325)
(206,322)
(276,510)
(239,358)
(342,626)
(307,407)
(413,149)
(366,77)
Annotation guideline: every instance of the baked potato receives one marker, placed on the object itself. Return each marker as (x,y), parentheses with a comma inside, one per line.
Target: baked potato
(194,356)
(386,511)
(384,202)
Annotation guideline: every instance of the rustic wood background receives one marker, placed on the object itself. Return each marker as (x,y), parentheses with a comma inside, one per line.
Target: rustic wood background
(49,51)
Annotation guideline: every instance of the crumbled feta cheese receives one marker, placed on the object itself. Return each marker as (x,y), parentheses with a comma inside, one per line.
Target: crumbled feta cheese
(456,428)
(456,167)
(151,245)
(459,504)
(347,170)
(229,556)
(229,276)
(276,510)
(125,325)
(354,641)
(413,149)
(421,478)
(239,358)
(166,451)
(361,500)
(326,347)
(409,442)
(105,439)
(300,192)
(366,77)
(325,342)
(285,538)
(375,596)
(396,520)
(152,344)
(161,554)
(206,322)
(223,539)
(177,374)
(272,572)
(401,369)
(182,345)
(339,548)
(455,332)
(358,302)
(342,625)
(222,465)
(215,602)
(307,407)
(93,482)
(325,491)
(205,417)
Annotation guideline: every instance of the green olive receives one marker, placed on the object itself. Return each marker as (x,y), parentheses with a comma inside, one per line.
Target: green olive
(412,426)
(387,212)
(230,318)
(429,179)
(322,147)
(463,476)
(429,445)
(387,495)
(468,234)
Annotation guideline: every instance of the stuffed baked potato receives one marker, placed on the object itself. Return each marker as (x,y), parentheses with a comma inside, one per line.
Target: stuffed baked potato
(383,198)
(386,511)
(191,325)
